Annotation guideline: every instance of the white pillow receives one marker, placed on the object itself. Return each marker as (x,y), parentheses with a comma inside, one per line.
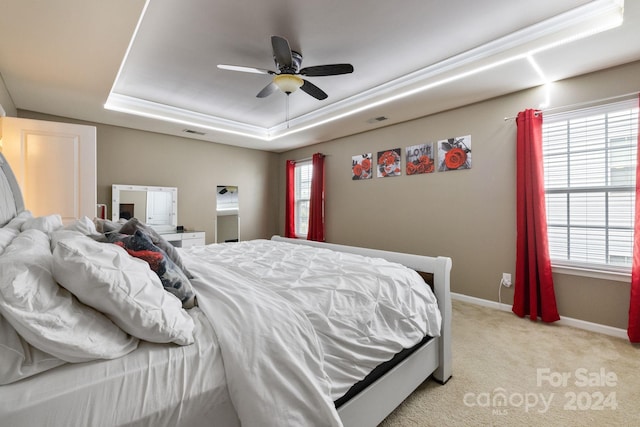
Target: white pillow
(12,229)
(7,234)
(48,316)
(19,358)
(46,223)
(107,278)
(84,225)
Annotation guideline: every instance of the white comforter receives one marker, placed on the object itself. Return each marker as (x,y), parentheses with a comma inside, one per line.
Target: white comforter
(297,325)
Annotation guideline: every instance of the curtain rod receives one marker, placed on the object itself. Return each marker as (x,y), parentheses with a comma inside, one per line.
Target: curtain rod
(582,104)
(306,159)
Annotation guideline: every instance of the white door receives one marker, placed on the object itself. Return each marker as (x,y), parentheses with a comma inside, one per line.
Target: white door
(55,165)
(159,207)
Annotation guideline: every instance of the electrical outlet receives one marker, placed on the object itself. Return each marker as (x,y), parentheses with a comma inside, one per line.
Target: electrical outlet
(506,279)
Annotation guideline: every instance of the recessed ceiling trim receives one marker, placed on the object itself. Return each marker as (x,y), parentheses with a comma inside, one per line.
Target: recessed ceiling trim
(126,54)
(154,110)
(596,16)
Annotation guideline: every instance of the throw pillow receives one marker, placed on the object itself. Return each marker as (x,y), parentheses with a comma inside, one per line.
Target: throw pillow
(133,225)
(173,279)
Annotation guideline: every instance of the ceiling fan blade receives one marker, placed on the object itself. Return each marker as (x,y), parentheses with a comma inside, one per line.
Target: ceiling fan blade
(327,70)
(313,90)
(281,51)
(245,69)
(267,90)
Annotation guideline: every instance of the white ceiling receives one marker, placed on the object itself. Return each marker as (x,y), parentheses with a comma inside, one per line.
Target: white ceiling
(70,57)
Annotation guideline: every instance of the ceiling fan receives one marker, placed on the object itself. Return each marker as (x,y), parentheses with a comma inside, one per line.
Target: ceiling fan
(287,77)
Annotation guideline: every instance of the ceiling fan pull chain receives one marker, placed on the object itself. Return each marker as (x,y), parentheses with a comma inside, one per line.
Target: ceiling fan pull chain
(287,110)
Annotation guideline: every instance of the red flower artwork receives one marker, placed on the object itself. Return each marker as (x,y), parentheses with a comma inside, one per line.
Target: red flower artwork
(389,163)
(455,153)
(424,164)
(361,167)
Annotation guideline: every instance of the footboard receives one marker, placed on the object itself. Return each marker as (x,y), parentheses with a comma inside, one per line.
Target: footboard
(379,399)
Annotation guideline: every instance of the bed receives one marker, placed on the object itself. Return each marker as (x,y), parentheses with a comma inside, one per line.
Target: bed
(266,332)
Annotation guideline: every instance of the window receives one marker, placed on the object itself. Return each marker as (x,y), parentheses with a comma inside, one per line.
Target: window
(589,174)
(303,174)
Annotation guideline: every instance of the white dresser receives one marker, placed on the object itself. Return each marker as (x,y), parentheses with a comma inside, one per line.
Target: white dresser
(185,239)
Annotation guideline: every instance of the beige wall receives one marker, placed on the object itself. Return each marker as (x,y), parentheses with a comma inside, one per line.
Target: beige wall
(127,156)
(468,215)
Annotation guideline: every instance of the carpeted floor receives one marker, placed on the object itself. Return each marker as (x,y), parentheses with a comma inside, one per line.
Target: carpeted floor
(509,371)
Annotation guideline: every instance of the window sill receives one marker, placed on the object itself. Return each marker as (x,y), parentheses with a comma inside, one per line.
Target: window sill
(617,276)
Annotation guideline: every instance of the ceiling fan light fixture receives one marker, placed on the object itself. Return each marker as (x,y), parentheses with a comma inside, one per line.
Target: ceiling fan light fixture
(288,83)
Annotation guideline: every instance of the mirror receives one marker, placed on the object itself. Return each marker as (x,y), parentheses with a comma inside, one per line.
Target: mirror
(227,214)
(155,206)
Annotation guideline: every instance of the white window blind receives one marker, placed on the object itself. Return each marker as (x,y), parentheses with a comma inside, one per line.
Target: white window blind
(589,173)
(303,173)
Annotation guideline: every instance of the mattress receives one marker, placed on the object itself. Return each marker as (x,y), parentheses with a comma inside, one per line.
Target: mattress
(363,310)
(157,384)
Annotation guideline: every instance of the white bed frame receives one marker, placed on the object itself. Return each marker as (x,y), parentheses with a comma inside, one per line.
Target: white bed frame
(373,404)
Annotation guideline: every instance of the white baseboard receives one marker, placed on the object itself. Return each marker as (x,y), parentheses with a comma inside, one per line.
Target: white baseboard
(566,321)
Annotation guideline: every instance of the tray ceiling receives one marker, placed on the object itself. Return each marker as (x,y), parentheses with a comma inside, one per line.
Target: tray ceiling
(154,64)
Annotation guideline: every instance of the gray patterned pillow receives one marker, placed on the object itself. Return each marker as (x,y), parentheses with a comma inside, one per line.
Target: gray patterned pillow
(173,280)
(133,225)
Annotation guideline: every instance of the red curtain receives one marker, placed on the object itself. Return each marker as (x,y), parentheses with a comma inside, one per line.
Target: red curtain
(533,294)
(316,203)
(290,199)
(633,329)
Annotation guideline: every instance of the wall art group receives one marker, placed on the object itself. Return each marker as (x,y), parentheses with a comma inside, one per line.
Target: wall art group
(452,154)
